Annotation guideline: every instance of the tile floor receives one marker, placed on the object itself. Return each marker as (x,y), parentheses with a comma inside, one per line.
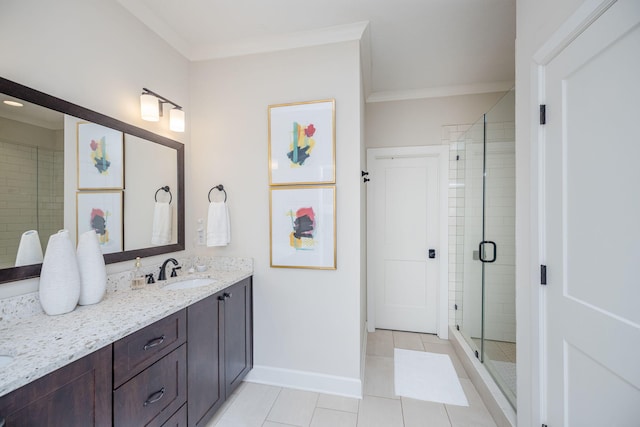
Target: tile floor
(258,405)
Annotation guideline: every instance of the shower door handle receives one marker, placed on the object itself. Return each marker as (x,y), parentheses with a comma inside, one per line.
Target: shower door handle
(481,250)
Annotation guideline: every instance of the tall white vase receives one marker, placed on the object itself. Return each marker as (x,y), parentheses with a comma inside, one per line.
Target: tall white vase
(93,273)
(60,278)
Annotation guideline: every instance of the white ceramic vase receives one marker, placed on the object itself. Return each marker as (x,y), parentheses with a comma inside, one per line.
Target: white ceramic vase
(29,250)
(93,273)
(60,278)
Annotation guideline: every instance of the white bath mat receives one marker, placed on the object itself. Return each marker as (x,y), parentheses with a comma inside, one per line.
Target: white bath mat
(427,376)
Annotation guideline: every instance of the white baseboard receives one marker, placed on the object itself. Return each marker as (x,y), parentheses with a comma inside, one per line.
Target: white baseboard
(309,381)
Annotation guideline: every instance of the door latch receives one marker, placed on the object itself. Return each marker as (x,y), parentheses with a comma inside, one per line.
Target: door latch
(432,253)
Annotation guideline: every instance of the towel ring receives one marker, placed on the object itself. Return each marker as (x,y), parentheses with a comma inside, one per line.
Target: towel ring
(218,187)
(165,188)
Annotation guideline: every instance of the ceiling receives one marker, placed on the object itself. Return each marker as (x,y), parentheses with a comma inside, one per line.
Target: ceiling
(416,48)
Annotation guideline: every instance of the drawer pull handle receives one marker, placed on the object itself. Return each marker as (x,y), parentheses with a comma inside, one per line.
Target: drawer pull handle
(154,343)
(154,397)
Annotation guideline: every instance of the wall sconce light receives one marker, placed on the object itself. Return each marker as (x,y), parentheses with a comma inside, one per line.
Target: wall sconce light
(151,110)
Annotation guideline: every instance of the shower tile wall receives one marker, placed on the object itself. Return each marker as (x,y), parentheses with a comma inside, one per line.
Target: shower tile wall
(450,136)
(50,193)
(500,315)
(465,200)
(20,183)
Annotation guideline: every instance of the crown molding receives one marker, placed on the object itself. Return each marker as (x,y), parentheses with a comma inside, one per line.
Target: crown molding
(440,92)
(250,46)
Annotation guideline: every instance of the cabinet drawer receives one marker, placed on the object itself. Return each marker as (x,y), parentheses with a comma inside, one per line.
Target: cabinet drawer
(134,353)
(150,398)
(179,419)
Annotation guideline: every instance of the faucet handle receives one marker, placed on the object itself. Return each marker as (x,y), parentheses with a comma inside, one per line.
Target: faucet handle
(173,271)
(150,278)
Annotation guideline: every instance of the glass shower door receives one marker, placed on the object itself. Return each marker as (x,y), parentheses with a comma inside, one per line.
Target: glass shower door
(485,242)
(499,315)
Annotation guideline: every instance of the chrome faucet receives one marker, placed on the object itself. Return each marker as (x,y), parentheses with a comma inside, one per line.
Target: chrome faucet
(163,272)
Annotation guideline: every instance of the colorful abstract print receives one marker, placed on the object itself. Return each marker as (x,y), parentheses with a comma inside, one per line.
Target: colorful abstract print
(304,226)
(302,144)
(99,223)
(99,157)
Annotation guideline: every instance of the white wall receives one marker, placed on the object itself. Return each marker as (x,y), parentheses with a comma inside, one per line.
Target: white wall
(420,121)
(536,20)
(307,322)
(92,53)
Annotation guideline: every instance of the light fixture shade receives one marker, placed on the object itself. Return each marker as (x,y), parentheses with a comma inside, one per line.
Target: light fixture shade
(149,109)
(176,120)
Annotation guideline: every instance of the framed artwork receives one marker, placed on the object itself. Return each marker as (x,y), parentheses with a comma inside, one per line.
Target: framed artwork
(302,143)
(100,157)
(303,227)
(101,211)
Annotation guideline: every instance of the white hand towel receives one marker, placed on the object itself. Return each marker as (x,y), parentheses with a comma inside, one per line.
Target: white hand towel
(218,228)
(30,249)
(161,234)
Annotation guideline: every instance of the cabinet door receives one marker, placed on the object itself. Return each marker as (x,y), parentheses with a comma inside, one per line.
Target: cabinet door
(238,333)
(78,394)
(151,397)
(205,360)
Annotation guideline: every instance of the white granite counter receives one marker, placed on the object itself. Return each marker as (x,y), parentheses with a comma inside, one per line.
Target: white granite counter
(40,344)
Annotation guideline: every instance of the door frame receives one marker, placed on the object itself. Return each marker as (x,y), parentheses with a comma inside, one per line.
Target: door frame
(442,153)
(531,369)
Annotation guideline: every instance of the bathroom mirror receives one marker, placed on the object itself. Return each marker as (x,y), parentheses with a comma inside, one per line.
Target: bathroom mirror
(38,171)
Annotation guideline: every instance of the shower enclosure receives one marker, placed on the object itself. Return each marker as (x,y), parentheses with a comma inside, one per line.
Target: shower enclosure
(485,242)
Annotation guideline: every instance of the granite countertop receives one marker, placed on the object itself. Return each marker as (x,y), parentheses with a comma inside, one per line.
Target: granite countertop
(40,344)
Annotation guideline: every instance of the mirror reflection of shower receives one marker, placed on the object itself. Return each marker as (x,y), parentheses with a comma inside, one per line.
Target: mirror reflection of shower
(484,187)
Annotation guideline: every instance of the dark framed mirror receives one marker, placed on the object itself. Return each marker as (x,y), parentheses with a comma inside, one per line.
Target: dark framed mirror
(51,118)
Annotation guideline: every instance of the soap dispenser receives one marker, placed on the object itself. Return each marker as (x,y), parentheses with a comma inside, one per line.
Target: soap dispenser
(138,278)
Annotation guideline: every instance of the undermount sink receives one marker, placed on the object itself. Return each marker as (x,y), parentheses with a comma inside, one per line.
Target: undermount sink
(5,360)
(188,284)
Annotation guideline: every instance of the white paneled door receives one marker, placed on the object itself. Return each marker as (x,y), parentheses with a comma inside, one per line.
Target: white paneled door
(591,239)
(404,224)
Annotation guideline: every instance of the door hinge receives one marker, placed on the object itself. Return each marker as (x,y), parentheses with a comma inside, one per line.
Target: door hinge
(544,425)
(543,274)
(455,306)
(457,327)
(543,114)
(477,354)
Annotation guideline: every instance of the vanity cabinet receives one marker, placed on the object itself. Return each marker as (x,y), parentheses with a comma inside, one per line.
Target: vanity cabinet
(78,394)
(201,352)
(150,373)
(220,348)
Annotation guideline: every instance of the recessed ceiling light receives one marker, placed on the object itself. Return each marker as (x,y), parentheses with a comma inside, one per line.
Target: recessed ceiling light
(14,103)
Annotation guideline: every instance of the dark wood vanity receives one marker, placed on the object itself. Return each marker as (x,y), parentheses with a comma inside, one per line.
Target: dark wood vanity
(175,372)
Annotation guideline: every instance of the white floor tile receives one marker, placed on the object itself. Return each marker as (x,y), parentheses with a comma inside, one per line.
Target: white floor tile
(476,414)
(407,341)
(339,403)
(329,418)
(378,377)
(250,407)
(417,413)
(380,343)
(379,412)
(433,339)
(272,424)
(294,407)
